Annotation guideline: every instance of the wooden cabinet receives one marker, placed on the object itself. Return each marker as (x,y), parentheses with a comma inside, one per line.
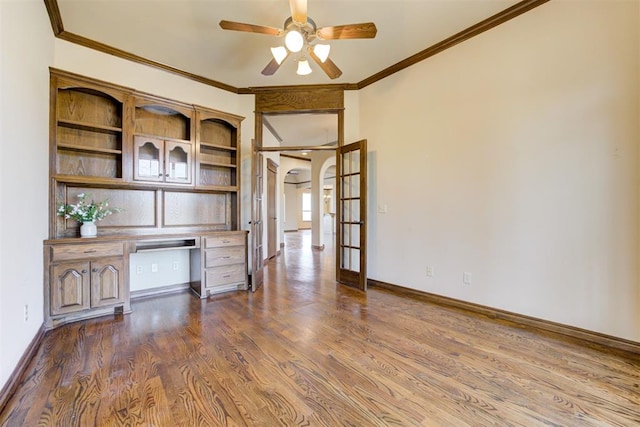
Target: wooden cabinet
(174,170)
(161,160)
(84,280)
(224,263)
(87,137)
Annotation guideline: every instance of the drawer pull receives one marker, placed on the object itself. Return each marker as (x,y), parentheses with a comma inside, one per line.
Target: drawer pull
(226,257)
(226,241)
(90,251)
(226,276)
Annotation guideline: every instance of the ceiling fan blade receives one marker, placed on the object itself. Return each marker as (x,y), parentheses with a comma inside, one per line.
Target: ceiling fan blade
(365,30)
(273,66)
(328,66)
(298,11)
(250,28)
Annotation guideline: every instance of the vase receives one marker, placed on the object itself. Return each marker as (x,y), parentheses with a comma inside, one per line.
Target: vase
(88,229)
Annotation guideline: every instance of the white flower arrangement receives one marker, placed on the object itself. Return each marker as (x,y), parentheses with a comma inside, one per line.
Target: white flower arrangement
(86,212)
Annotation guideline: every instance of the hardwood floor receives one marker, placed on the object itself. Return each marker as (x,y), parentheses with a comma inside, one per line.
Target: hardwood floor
(306,351)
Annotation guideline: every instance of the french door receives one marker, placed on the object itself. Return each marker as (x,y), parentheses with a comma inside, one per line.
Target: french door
(351,192)
(257,190)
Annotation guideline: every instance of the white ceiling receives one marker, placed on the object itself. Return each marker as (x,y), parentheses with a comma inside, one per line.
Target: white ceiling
(305,129)
(185,33)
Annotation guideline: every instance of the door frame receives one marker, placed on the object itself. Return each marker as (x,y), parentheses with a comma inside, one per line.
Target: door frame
(298,100)
(272,209)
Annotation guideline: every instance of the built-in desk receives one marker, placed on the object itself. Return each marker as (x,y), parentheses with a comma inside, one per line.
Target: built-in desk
(89,277)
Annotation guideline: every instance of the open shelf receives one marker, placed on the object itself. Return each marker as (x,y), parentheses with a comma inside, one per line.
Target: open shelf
(222,165)
(92,127)
(87,149)
(217,146)
(164,138)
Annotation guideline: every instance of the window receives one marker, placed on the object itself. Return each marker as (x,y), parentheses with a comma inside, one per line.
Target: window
(306,206)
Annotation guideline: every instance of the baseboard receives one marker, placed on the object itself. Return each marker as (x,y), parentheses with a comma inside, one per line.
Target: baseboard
(162,290)
(14,380)
(584,335)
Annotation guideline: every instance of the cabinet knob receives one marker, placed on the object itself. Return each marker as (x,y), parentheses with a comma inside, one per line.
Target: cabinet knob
(84,271)
(95,270)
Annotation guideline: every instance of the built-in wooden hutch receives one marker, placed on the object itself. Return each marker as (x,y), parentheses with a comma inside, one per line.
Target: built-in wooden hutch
(174,170)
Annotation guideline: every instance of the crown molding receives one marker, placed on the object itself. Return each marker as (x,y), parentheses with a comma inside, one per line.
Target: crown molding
(501,17)
(479,28)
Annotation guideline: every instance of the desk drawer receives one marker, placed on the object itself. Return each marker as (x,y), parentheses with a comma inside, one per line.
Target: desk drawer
(86,251)
(224,256)
(224,241)
(224,275)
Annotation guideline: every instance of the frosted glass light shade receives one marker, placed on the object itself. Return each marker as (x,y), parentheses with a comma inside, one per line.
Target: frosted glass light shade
(303,67)
(322,51)
(293,41)
(279,54)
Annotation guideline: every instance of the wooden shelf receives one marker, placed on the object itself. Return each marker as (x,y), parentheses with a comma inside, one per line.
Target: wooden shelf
(218,147)
(222,165)
(164,138)
(92,127)
(224,189)
(87,149)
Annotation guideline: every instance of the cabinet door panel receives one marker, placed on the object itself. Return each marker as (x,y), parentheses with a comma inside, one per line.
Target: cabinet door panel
(107,283)
(178,162)
(148,159)
(70,287)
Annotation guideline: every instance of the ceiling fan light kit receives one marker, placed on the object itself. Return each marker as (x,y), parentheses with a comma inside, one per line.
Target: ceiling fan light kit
(303,67)
(299,31)
(279,54)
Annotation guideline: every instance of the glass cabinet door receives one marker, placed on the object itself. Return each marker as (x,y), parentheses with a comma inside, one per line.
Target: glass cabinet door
(178,162)
(148,159)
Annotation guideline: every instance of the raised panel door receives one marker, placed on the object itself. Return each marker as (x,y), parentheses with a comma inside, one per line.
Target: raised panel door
(107,282)
(69,287)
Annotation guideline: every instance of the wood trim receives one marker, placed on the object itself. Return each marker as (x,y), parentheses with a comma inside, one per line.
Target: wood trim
(306,159)
(257,90)
(493,21)
(299,148)
(14,380)
(586,336)
(104,48)
(54,16)
(299,100)
(516,10)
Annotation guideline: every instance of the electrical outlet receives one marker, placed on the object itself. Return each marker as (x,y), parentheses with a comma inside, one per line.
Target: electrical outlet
(26,313)
(429,271)
(174,265)
(154,268)
(139,269)
(466,278)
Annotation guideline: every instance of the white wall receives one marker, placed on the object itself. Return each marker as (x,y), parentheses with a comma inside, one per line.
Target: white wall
(26,51)
(514,156)
(290,208)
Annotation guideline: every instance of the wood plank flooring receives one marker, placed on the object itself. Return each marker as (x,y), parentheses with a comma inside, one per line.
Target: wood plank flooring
(305,351)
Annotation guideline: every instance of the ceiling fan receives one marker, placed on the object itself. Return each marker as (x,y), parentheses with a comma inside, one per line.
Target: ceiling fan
(301,36)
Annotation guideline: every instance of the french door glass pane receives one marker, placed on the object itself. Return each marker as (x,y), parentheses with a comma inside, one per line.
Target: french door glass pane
(354,189)
(354,161)
(346,163)
(355,235)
